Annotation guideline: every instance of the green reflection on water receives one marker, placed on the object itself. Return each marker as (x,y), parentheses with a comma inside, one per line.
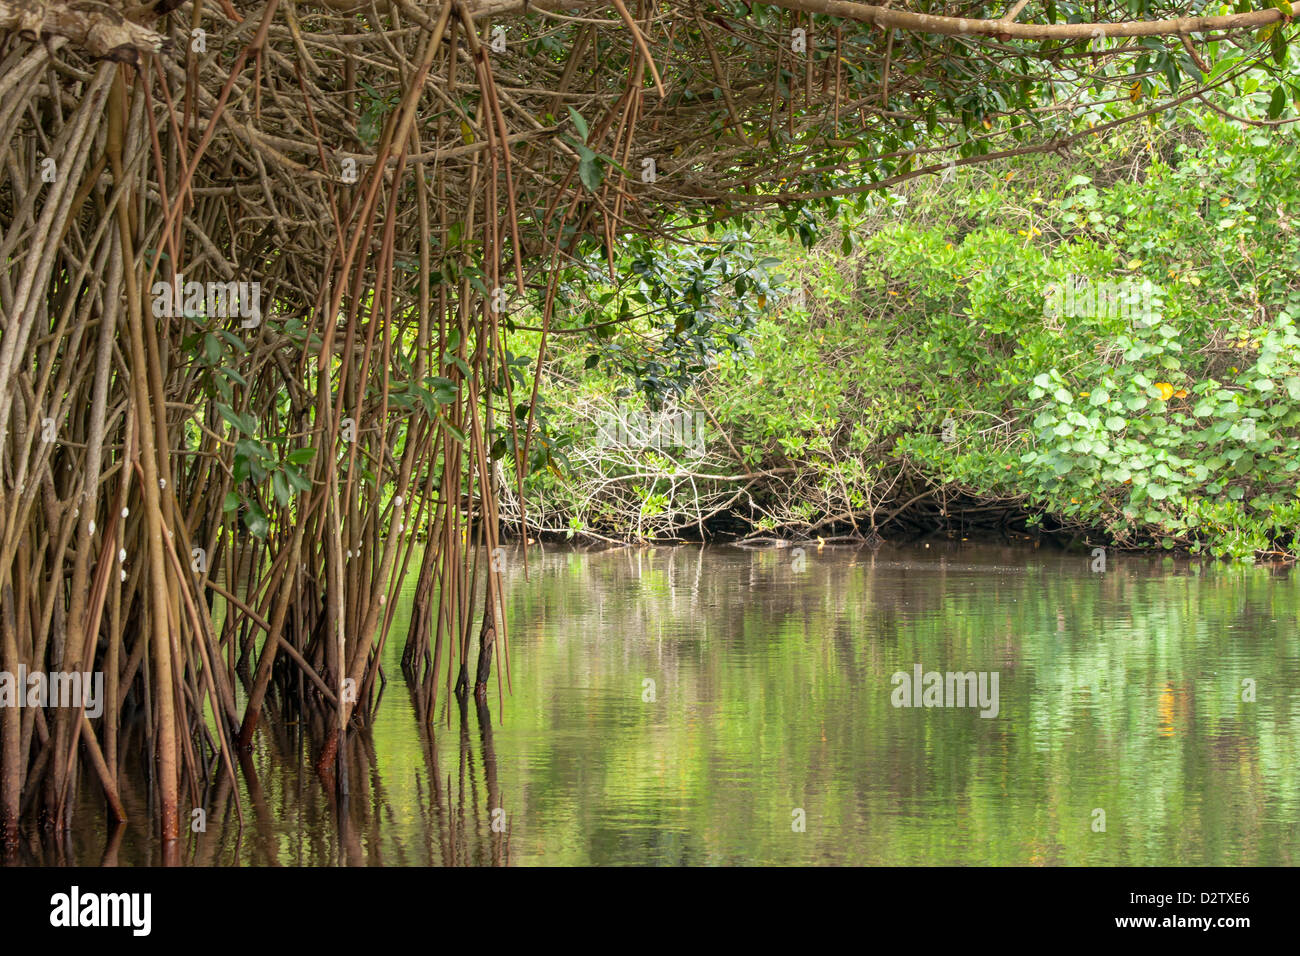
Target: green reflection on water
(1119,691)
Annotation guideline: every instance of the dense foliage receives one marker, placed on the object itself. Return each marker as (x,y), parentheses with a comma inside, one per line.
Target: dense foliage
(1110,343)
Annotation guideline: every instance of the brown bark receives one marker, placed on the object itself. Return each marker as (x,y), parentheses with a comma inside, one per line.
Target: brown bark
(94,28)
(10,729)
(487,636)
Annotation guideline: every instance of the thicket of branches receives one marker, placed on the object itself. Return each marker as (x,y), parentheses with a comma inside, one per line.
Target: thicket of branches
(197,497)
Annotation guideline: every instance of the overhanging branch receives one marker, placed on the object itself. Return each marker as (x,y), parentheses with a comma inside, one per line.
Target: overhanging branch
(1005,28)
(1008,29)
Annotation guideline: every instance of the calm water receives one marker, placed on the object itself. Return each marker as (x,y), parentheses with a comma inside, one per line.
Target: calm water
(1118,692)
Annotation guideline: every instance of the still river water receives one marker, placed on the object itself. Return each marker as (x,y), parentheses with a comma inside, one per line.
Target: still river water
(1120,705)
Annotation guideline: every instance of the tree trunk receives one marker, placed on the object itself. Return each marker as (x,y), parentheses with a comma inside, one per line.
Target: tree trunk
(487,637)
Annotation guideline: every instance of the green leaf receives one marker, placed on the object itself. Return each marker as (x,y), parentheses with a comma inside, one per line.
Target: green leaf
(297,478)
(589,171)
(1277,103)
(231,374)
(255,520)
(242,423)
(444,389)
(579,123)
(280,485)
(455,432)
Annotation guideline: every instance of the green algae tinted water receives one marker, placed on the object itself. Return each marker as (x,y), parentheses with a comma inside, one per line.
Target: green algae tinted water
(715,705)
